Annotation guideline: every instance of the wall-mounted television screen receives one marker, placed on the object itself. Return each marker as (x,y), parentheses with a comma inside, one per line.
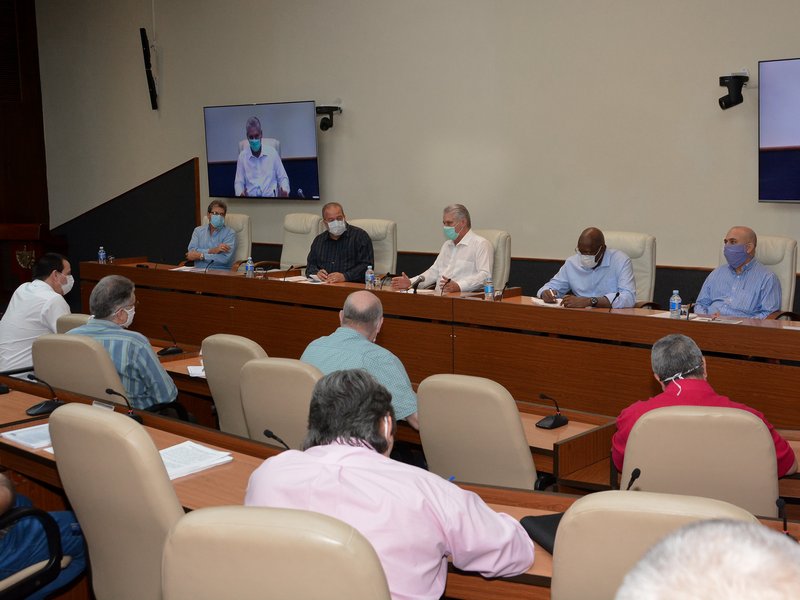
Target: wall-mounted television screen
(262,150)
(779,130)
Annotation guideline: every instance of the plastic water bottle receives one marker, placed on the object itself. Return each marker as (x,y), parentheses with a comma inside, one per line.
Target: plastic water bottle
(369,278)
(675,305)
(249,268)
(101,255)
(488,289)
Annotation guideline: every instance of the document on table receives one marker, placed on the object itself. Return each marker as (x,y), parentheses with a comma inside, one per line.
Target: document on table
(37,436)
(196,371)
(698,318)
(190,457)
(540,302)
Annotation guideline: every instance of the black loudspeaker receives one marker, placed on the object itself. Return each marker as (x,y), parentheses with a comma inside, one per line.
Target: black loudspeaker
(148,69)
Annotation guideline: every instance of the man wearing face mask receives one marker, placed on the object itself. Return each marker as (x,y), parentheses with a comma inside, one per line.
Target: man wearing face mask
(343,252)
(680,369)
(595,276)
(465,259)
(259,170)
(213,244)
(743,287)
(113,305)
(34,309)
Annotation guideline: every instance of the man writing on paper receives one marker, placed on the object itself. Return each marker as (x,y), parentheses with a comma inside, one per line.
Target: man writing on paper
(34,310)
(743,287)
(679,366)
(414,519)
(213,244)
(465,259)
(352,346)
(343,252)
(259,170)
(594,276)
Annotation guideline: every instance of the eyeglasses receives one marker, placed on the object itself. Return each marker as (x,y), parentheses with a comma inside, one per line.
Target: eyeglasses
(218,214)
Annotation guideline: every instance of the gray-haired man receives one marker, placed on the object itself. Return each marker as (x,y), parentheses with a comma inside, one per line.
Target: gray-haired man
(259,170)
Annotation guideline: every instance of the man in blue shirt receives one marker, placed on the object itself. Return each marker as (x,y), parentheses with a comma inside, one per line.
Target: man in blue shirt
(213,244)
(743,287)
(352,346)
(594,276)
(113,305)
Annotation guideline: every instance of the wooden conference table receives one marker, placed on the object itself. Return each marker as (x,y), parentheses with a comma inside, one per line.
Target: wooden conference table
(594,360)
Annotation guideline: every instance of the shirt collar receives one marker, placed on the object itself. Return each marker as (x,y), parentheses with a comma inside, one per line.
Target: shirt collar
(466,239)
(688,383)
(746,267)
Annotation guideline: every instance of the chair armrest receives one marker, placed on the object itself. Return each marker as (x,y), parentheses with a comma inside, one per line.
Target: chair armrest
(51,569)
(269,263)
(784,315)
(164,407)
(650,304)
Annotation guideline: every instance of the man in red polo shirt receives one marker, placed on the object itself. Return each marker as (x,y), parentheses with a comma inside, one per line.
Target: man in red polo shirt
(679,366)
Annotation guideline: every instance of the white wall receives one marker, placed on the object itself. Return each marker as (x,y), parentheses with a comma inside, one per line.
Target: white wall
(542,116)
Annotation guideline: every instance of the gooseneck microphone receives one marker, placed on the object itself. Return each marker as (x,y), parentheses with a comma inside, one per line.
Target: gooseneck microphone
(174,349)
(47,406)
(614,299)
(635,474)
(689,309)
(781,504)
(131,414)
(553,421)
(268,433)
(416,284)
(211,262)
(286,272)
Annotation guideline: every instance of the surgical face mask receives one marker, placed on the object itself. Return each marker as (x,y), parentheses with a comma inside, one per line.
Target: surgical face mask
(66,287)
(735,254)
(337,227)
(217,221)
(589,261)
(450,233)
(129,312)
(255,145)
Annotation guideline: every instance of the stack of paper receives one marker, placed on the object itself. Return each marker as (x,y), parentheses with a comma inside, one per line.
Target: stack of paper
(189,457)
(37,436)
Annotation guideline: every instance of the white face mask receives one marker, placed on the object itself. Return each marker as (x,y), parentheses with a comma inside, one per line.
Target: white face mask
(66,287)
(129,312)
(337,228)
(588,261)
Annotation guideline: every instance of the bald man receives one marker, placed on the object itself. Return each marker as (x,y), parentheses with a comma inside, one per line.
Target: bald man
(595,276)
(743,287)
(352,346)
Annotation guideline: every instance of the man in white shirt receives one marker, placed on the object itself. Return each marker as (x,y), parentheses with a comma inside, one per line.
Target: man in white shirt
(464,262)
(34,310)
(259,170)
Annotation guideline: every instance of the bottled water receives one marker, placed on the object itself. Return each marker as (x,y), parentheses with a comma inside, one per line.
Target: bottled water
(488,289)
(249,268)
(101,255)
(369,278)
(675,305)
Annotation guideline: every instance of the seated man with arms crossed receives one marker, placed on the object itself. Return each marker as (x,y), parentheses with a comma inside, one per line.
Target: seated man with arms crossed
(34,310)
(352,346)
(414,519)
(594,276)
(113,304)
(680,368)
(743,287)
(342,253)
(464,262)
(213,244)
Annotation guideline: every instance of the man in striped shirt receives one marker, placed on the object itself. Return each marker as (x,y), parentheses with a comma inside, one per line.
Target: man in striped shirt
(113,304)
(743,287)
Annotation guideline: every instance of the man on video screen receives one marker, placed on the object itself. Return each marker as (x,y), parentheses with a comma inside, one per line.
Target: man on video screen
(259,170)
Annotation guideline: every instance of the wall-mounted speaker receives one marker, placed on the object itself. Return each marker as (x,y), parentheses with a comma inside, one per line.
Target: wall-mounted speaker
(148,69)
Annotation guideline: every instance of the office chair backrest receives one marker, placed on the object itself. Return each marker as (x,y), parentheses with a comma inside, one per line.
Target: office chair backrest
(641,249)
(240,224)
(269,553)
(299,230)
(501,242)
(119,489)
(276,393)
(471,430)
(604,534)
(70,321)
(224,355)
(383,234)
(76,363)
(722,453)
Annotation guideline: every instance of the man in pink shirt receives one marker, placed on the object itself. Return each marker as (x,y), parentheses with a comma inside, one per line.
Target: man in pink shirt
(414,519)
(679,366)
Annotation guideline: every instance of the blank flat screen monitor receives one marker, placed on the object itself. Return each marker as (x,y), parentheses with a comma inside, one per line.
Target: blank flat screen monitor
(779,130)
(282,163)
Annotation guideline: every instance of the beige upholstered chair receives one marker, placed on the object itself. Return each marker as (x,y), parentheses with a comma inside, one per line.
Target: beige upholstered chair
(76,363)
(245,145)
(471,430)
(641,249)
(722,453)
(604,534)
(276,393)
(224,355)
(70,321)
(119,489)
(299,230)
(240,224)
(501,242)
(252,553)
(383,234)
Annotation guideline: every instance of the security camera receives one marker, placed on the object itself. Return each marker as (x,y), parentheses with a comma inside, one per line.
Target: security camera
(734,83)
(326,122)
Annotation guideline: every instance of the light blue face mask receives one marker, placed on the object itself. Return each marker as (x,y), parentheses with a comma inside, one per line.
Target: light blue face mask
(255,145)
(450,233)
(217,221)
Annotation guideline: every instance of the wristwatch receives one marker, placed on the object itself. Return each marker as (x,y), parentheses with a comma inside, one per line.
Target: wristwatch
(203,257)
(593,300)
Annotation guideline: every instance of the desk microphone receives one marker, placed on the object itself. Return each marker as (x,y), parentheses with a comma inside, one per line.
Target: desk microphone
(286,272)
(781,504)
(416,284)
(635,474)
(174,349)
(553,421)
(211,262)
(385,278)
(131,414)
(689,309)
(268,433)
(614,299)
(47,406)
